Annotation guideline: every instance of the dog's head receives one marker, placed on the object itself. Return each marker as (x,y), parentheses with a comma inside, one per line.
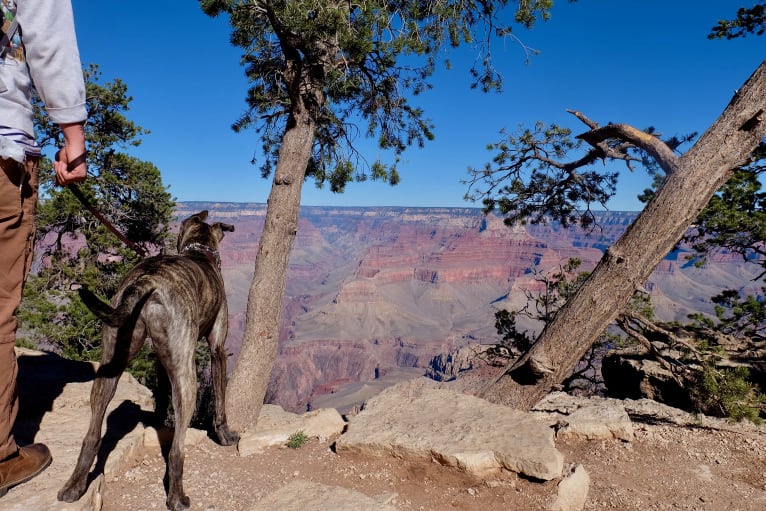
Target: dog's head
(195,232)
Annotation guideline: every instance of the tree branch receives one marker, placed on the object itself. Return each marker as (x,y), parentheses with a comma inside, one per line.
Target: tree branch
(656,148)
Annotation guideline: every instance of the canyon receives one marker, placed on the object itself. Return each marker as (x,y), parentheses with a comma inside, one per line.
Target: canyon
(374,294)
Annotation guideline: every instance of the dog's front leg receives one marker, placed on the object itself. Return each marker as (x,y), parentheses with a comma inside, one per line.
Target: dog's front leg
(216,340)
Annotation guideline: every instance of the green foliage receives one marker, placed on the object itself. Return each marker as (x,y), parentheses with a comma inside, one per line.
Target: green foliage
(735,217)
(731,392)
(73,247)
(512,338)
(297,440)
(144,367)
(641,303)
(54,321)
(750,20)
(356,63)
(740,317)
(527,180)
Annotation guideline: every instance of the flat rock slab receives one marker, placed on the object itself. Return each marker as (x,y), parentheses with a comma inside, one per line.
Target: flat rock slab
(592,418)
(418,420)
(302,495)
(275,426)
(54,396)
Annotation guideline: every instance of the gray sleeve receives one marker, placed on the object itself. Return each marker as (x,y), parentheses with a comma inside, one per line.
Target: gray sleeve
(48,34)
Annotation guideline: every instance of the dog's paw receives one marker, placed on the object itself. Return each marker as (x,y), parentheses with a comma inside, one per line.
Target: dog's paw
(71,492)
(181,503)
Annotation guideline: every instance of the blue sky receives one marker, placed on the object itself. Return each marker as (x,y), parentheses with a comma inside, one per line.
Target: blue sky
(642,63)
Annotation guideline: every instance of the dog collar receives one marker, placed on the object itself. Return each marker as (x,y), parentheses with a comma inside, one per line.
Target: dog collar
(199,247)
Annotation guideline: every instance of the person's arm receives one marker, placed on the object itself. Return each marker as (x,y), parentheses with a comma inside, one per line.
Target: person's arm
(53,59)
(73,153)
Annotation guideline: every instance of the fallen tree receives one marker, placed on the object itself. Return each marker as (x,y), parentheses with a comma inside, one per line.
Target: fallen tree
(691,180)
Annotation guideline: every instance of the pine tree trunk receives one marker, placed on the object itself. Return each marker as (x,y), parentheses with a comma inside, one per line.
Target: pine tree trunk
(248,382)
(691,181)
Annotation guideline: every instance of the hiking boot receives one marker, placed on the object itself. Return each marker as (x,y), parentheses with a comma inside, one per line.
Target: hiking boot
(19,468)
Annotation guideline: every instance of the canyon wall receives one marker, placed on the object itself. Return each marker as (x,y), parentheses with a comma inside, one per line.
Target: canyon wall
(371,290)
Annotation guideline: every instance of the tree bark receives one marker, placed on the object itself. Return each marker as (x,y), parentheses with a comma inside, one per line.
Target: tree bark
(248,382)
(690,183)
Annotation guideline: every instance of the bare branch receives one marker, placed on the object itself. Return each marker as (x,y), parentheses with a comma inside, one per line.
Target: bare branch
(656,148)
(591,124)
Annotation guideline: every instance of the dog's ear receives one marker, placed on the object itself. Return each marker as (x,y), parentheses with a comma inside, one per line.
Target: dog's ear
(219,229)
(201,216)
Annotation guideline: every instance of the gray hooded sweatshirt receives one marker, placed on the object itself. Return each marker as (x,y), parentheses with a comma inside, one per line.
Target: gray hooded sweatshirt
(49,59)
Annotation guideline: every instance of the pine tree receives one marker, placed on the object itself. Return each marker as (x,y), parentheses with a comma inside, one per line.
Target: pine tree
(73,249)
(322,73)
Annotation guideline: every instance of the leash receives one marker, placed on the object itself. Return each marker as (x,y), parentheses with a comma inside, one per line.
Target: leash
(101,218)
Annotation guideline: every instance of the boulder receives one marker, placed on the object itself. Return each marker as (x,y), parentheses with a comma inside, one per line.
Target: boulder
(418,420)
(572,491)
(591,418)
(629,374)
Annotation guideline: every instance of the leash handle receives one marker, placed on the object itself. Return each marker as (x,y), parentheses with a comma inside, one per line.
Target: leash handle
(76,162)
(78,193)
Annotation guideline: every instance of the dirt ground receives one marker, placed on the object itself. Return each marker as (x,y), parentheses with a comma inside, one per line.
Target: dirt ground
(663,468)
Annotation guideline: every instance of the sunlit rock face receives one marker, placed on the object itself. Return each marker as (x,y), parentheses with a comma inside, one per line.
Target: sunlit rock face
(371,290)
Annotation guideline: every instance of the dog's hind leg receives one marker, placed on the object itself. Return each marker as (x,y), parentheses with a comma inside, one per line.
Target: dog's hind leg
(101,394)
(216,339)
(184,395)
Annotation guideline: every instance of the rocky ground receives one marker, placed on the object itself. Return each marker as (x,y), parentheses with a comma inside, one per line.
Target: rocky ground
(638,455)
(663,468)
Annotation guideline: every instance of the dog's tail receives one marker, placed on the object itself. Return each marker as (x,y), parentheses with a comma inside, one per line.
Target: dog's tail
(133,299)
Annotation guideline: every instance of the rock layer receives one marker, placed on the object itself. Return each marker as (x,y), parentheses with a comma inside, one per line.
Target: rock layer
(370,289)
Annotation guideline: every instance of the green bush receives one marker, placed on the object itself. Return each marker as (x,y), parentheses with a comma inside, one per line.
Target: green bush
(297,440)
(729,392)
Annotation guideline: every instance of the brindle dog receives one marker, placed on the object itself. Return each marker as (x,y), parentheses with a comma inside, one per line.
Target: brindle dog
(176,300)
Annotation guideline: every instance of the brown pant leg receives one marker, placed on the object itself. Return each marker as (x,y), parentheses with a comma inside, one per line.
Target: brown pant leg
(18,199)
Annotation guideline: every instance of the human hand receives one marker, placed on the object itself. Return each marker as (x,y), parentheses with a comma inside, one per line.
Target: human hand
(70,165)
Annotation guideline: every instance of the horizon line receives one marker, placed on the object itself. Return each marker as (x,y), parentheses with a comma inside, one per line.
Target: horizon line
(264,204)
